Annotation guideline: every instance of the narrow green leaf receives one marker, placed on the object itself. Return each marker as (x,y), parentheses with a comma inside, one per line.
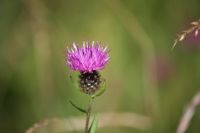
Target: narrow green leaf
(77,107)
(100,91)
(94,124)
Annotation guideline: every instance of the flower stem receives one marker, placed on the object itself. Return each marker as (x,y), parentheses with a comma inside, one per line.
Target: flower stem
(88,115)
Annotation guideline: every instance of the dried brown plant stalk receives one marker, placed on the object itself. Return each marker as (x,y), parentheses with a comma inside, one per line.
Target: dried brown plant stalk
(74,124)
(188,114)
(195,27)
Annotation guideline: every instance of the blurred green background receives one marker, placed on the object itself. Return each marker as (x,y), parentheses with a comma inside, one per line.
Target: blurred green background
(143,76)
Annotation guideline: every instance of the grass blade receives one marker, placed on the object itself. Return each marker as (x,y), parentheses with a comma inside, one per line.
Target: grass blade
(94,124)
(77,107)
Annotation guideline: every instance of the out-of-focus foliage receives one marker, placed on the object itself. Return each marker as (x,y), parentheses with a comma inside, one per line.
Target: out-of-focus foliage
(143,76)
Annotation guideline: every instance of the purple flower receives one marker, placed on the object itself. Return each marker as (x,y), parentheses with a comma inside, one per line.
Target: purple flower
(90,57)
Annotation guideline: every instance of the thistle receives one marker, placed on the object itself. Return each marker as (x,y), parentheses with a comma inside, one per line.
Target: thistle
(88,60)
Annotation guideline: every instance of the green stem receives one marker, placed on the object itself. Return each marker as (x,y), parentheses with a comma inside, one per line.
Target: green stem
(88,115)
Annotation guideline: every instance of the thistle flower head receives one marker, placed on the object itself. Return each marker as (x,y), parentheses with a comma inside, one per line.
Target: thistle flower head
(90,57)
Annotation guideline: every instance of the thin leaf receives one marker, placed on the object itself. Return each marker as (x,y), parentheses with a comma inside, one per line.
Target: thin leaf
(77,107)
(94,124)
(100,91)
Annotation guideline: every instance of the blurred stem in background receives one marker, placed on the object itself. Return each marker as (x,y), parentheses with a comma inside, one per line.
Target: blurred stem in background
(38,23)
(188,114)
(145,43)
